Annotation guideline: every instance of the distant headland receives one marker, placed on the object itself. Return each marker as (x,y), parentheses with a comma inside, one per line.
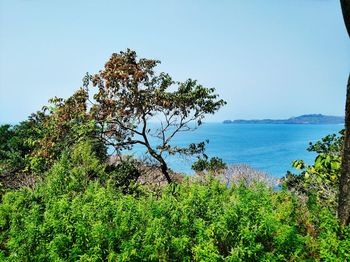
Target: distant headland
(311,119)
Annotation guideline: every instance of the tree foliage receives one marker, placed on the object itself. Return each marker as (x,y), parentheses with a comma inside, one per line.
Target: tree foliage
(16,144)
(213,165)
(61,125)
(130,94)
(321,179)
(29,149)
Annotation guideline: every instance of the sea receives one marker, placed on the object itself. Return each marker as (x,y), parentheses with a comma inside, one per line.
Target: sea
(270,148)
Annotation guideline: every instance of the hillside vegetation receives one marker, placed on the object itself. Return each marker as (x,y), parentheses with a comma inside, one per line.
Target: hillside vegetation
(63,198)
(79,213)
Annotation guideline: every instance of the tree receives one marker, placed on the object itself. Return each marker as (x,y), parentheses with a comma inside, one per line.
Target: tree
(61,125)
(130,94)
(29,149)
(344,189)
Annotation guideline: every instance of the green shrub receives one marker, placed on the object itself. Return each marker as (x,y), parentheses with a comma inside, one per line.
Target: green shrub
(71,217)
(124,175)
(15,145)
(320,180)
(213,165)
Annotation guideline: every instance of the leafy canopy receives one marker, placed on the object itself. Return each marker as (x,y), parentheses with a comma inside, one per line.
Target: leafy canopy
(130,94)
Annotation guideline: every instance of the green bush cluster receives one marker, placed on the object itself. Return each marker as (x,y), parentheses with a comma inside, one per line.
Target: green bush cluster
(321,179)
(78,214)
(212,165)
(15,145)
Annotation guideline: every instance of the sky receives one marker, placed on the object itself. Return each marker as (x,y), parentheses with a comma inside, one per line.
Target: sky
(267,59)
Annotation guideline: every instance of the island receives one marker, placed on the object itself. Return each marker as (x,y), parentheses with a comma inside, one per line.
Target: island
(310,119)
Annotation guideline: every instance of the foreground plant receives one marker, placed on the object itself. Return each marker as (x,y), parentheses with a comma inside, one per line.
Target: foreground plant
(321,179)
(78,214)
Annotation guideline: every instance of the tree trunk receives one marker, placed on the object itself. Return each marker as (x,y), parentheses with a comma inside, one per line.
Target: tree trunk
(163,165)
(344,186)
(165,172)
(345,6)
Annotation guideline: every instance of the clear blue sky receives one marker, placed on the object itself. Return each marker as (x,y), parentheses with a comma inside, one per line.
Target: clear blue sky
(275,58)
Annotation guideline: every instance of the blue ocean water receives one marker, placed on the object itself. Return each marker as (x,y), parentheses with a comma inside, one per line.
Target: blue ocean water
(267,147)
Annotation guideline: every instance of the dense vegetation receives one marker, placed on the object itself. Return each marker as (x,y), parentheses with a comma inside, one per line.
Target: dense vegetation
(78,213)
(320,180)
(63,198)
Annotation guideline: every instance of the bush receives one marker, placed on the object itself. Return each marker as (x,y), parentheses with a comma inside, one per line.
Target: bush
(320,180)
(71,217)
(15,145)
(212,166)
(124,175)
